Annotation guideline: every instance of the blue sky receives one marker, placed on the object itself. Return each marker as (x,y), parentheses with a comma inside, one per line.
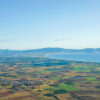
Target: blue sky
(31,24)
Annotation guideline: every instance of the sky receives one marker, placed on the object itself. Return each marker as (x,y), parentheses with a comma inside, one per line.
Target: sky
(32,24)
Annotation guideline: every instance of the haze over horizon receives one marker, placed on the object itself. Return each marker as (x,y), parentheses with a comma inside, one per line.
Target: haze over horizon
(31,24)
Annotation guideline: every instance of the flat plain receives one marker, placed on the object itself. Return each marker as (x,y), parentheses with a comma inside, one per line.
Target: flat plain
(36,78)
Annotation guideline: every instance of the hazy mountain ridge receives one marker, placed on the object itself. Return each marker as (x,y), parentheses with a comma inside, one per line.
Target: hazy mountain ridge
(43,51)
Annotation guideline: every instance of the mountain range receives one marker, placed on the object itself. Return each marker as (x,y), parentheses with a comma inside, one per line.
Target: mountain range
(44,51)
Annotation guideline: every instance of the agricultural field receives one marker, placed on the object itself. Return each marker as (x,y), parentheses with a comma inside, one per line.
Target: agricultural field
(33,78)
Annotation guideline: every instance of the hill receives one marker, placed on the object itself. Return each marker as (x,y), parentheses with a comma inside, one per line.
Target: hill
(43,51)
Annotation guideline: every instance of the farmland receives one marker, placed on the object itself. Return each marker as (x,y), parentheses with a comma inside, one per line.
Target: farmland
(36,78)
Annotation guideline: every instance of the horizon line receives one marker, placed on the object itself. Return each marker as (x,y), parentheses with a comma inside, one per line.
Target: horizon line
(52,47)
